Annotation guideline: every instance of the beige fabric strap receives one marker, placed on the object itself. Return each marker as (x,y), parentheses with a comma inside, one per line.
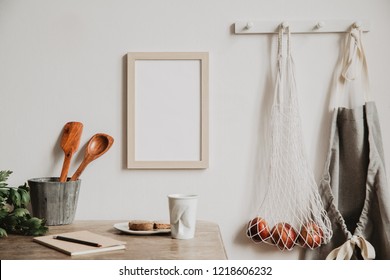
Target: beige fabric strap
(355,61)
(353,72)
(345,251)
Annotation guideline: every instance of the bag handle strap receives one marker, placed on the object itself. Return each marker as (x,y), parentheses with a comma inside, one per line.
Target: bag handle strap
(353,65)
(283,63)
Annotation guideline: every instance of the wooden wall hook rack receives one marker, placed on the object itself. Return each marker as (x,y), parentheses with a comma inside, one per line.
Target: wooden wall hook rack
(308,26)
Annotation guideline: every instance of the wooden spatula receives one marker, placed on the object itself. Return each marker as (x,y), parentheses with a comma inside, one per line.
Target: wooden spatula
(70,142)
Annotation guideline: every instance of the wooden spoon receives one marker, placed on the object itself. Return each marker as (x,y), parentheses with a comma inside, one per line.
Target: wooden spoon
(97,146)
(70,142)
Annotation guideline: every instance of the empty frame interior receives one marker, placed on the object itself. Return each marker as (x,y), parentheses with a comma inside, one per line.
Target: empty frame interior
(167,110)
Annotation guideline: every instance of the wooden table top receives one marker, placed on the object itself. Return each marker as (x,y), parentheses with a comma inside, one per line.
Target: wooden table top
(207,244)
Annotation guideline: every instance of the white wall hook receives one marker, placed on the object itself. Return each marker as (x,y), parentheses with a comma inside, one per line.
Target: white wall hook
(357,24)
(285,24)
(249,25)
(319,25)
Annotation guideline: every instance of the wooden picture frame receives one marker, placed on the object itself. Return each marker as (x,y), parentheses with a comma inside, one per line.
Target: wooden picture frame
(167,102)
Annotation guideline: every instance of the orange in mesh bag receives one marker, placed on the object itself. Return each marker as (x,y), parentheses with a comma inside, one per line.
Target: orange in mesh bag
(291,212)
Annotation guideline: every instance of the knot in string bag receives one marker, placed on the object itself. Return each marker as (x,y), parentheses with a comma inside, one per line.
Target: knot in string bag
(291,211)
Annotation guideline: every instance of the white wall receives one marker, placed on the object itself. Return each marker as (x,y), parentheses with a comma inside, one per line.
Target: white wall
(64,60)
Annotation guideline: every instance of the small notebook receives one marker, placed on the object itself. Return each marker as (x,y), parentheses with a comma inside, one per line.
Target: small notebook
(73,249)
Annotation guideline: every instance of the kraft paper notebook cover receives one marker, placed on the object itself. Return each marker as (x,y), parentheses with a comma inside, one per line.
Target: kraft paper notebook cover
(70,248)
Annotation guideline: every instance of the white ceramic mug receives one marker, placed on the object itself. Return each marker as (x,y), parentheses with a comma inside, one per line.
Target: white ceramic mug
(182,213)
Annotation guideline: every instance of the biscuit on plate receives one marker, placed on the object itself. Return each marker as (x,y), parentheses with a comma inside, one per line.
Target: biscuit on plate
(161,225)
(141,225)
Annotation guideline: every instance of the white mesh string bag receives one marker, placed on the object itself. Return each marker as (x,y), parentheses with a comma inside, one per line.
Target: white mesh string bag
(291,211)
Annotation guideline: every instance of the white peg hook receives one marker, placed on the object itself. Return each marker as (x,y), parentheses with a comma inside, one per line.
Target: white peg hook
(285,24)
(249,25)
(319,25)
(357,24)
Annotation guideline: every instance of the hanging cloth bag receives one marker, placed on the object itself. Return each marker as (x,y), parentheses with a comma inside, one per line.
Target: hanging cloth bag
(291,212)
(354,187)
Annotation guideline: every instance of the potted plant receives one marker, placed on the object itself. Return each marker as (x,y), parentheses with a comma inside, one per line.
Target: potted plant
(14,215)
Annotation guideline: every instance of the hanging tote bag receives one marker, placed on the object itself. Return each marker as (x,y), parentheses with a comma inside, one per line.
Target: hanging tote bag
(291,212)
(354,186)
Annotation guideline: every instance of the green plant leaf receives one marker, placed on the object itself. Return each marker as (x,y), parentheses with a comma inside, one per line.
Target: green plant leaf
(25,187)
(4,174)
(11,221)
(34,226)
(24,196)
(3,214)
(33,222)
(14,197)
(3,232)
(20,212)
(4,192)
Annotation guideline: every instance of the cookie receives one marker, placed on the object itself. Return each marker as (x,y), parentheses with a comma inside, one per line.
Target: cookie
(141,225)
(161,225)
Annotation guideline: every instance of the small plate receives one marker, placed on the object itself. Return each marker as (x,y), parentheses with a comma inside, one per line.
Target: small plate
(124,227)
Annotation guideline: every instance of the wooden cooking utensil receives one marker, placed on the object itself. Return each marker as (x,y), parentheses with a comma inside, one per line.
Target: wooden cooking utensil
(70,142)
(97,146)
